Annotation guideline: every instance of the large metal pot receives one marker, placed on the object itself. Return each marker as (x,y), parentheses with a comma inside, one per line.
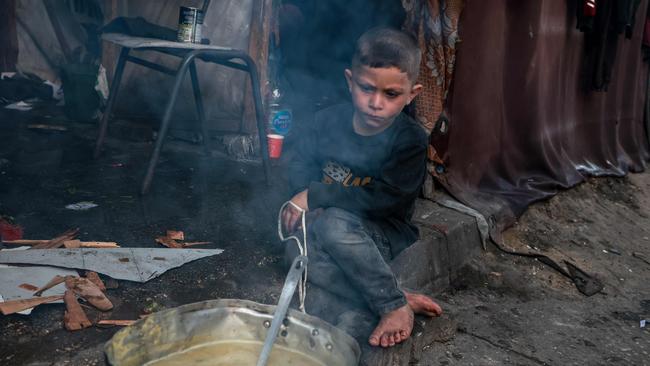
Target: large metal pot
(229,332)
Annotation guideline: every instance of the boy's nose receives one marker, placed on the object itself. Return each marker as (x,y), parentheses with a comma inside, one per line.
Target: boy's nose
(375,102)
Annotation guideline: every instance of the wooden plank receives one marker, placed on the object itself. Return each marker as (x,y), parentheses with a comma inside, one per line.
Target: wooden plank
(25,242)
(74,318)
(168,242)
(193,243)
(94,278)
(89,244)
(123,323)
(14,306)
(58,241)
(175,234)
(53,282)
(28,287)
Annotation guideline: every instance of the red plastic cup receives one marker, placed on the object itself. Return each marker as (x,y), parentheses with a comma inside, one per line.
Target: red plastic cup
(9,231)
(275,145)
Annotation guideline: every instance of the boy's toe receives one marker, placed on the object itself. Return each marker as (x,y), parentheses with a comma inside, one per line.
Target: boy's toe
(398,337)
(384,340)
(391,340)
(373,340)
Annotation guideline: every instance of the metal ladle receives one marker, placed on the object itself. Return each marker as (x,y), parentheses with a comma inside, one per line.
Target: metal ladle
(293,277)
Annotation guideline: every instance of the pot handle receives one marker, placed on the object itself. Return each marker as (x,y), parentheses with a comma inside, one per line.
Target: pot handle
(290,283)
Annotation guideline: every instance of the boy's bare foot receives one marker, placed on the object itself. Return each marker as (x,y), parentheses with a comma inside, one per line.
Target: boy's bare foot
(422,304)
(394,327)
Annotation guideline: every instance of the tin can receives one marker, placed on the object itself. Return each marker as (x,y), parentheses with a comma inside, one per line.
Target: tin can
(190,21)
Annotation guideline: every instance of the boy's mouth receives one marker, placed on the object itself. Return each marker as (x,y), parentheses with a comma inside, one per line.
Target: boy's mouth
(373,117)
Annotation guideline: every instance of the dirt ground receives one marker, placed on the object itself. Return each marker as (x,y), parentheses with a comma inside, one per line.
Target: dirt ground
(517,311)
(503,310)
(208,197)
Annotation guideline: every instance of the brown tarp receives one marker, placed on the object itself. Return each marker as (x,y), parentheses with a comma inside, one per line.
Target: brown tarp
(522,125)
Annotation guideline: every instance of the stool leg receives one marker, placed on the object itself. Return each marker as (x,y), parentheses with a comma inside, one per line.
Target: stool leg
(164,126)
(199,104)
(117,78)
(259,112)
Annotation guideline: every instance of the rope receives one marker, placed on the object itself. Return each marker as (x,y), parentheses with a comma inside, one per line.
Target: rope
(302,247)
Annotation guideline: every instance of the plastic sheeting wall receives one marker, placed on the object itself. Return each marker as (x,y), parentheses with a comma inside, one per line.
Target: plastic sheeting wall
(145,92)
(521,124)
(39,51)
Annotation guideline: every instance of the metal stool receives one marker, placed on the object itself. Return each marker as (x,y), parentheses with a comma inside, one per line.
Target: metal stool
(187,52)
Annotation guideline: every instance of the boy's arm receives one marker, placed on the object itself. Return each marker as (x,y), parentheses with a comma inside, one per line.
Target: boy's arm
(303,168)
(399,181)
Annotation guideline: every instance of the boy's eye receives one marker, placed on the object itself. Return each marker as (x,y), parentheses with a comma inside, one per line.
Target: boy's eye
(366,88)
(392,94)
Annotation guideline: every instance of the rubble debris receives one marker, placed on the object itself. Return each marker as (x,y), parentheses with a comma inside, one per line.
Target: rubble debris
(174,239)
(111,284)
(58,241)
(25,242)
(19,106)
(94,278)
(87,290)
(193,243)
(82,206)
(115,322)
(612,251)
(53,282)
(15,306)
(168,242)
(12,277)
(139,268)
(176,235)
(74,318)
(74,243)
(39,126)
(28,287)
(89,244)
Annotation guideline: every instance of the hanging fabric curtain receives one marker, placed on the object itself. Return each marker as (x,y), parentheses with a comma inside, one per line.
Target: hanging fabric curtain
(435,24)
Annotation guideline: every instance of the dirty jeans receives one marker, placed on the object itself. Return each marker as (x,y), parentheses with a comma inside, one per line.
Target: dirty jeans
(347,257)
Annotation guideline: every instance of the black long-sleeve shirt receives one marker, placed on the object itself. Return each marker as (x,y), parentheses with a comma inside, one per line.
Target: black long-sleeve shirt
(377,177)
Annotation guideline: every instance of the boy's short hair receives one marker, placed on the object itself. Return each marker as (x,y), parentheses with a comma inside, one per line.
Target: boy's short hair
(388,47)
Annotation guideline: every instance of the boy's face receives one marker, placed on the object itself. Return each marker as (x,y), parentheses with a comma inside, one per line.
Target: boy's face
(379,95)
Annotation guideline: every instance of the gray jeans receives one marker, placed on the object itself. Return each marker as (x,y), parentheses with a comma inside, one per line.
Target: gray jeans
(347,258)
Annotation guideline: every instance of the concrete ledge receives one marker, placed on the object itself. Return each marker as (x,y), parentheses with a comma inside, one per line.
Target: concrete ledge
(448,239)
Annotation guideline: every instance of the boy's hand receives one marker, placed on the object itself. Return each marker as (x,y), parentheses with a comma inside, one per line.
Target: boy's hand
(291,215)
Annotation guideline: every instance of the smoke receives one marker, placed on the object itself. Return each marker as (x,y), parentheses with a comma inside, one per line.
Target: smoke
(318,39)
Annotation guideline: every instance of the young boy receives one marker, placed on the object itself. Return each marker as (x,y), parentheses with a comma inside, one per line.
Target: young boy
(357,175)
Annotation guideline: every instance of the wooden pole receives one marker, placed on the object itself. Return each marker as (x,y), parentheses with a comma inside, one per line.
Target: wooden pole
(258,48)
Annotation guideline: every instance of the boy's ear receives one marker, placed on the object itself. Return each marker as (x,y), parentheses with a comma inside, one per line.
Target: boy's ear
(417,88)
(348,78)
